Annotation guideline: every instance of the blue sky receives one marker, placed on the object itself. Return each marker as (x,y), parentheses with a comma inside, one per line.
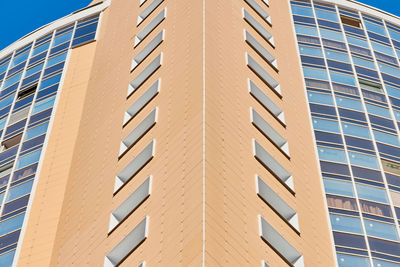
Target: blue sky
(20,17)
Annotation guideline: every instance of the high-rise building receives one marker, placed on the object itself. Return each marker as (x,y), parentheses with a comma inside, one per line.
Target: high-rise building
(203,133)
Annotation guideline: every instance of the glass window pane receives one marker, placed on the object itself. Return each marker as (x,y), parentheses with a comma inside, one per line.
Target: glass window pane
(28,159)
(40,49)
(333,35)
(330,154)
(310,51)
(386,138)
(334,55)
(12,80)
(33,70)
(62,38)
(55,60)
(380,111)
(382,48)
(393,91)
(379,263)
(371,193)
(348,103)
(36,131)
(355,130)
(313,73)
(311,31)
(357,41)
(7,259)
(364,63)
(326,125)
(352,261)
(372,27)
(302,11)
(20,58)
(50,81)
(11,224)
(19,191)
(342,78)
(346,224)
(382,230)
(363,160)
(389,70)
(43,105)
(320,98)
(337,187)
(322,14)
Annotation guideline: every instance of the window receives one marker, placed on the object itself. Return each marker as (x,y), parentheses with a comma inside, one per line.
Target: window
(273,166)
(137,133)
(338,187)
(130,204)
(263,75)
(266,102)
(142,55)
(350,21)
(6,144)
(277,203)
(148,10)
(259,48)
(259,10)
(128,244)
(27,92)
(346,224)
(150,27)
(258,27)
(269,132)
(134,166)
(142,101)
(145,74)
(278,243)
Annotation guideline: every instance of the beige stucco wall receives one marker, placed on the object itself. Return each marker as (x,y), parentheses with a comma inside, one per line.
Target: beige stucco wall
(74,197)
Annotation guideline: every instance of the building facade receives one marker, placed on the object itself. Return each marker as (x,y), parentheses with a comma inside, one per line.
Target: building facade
(203,133)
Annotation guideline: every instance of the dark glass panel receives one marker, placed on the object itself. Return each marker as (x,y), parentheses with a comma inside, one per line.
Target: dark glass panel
(339,65)
(16,204)
(383,246)
(347,240)
(367,174)
(322,109)
(22,173)
(357,142)
(381,121)
(328,137)
(334,168)
(9,239)
(352,114)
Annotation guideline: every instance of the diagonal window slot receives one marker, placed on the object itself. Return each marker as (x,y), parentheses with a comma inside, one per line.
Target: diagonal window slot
(150,27)
(145,74)
(258,27)
(137,133)
(130,204)
(259,10)
(143,100)
(146,51)
(127,245)
(266,102)
(263,75)
(148,10)
(134,166)
(277,204)
(280,244)
(269,132)
(259,48)
(273,166)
